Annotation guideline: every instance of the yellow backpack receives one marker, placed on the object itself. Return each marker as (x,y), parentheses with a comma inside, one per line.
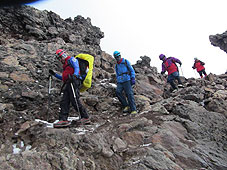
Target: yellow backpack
(86,62)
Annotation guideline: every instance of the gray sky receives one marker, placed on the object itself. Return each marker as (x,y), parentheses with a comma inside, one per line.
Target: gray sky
(136,28)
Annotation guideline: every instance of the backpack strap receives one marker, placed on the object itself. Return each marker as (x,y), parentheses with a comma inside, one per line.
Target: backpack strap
(69,63)
(126,64)
(202,63)
(168,62)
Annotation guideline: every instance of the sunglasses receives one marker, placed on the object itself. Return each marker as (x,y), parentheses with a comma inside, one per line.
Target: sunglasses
(116,56)
(61,55)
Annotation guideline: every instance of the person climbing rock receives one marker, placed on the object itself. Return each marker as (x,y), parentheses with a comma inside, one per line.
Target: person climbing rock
(169,65)
(72,81)
(199,66)
(125,75)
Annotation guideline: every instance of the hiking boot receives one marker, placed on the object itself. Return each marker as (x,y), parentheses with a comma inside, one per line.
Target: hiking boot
(62,123)
(180,86)
(175,90)
(134,112)
(126,109)
(83,121)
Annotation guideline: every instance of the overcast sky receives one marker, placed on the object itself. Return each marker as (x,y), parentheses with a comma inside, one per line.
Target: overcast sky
(136,28)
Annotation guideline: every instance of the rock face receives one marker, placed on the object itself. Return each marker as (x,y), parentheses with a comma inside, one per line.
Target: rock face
(219,40)
(181,130)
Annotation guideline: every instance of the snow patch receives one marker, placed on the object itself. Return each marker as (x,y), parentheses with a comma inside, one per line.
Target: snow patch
(51,125)
(28,147)
(15,149)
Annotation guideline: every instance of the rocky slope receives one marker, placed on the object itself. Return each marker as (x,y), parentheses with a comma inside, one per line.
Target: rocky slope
(173,131)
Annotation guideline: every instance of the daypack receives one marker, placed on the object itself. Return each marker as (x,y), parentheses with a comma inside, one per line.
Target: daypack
(202,63)
(86,67)
(168,63)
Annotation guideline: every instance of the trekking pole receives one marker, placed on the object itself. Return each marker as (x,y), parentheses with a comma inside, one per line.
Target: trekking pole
(195,74)
(74,95)
(49,95)
(181,71)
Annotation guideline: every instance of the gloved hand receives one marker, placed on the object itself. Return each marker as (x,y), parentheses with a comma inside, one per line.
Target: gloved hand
(180,63)
(133,81)
(76,81)
(51,72)
(163,72)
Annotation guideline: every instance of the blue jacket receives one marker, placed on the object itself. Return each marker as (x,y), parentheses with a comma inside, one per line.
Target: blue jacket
(123,73)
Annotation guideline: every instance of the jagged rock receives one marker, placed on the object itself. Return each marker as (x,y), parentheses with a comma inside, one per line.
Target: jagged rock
(145,62)
(216,105)
(219,40)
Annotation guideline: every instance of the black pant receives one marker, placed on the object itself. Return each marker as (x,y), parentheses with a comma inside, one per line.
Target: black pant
(68,98)
(202,72)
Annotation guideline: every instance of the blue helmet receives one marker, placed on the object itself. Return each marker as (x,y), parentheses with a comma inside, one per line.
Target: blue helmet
(116,53)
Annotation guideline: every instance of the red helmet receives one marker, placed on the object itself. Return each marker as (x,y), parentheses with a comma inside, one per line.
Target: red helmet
(60,53)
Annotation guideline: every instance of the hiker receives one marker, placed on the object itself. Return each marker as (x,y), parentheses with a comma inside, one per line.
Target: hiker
(199,66)
(169,65)
(125,75)
(72,82)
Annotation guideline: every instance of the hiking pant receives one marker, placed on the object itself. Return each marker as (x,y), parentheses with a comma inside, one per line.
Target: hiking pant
(127,88)
(69,98)
(172,77)
(202,72)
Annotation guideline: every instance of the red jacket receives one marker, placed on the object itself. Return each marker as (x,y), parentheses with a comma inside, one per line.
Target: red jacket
(169,65)
(67,70)
(199,65)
